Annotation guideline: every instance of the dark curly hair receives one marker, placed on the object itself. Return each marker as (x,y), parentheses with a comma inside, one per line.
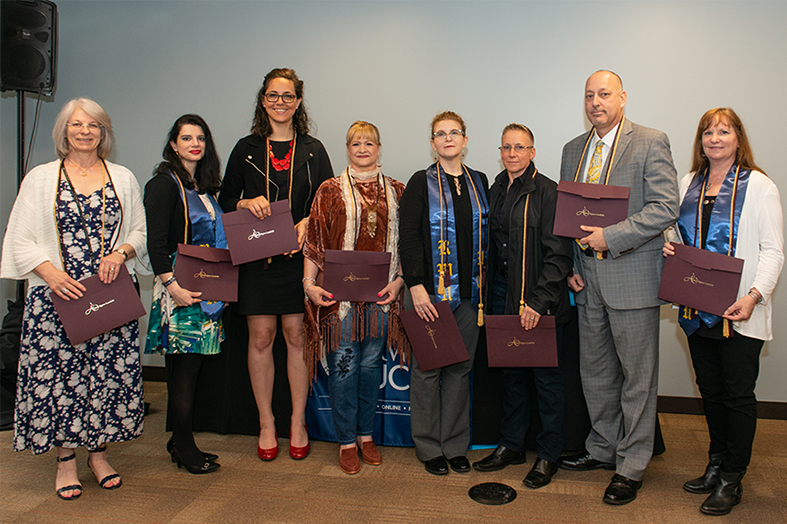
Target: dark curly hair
(207,175)
(300,121)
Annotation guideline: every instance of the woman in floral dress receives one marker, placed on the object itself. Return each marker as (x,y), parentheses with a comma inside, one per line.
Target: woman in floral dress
(76,217)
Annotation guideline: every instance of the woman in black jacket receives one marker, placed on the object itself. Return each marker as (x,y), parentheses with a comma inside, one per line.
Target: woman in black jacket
(521,218)
(278,161)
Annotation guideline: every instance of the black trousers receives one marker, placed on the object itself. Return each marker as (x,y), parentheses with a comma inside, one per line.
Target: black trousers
(726,373)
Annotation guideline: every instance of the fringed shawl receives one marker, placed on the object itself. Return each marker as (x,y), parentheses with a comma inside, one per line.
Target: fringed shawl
(333,225)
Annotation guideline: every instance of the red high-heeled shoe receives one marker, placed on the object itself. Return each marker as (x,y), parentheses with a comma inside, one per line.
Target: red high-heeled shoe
(299,453)
(268,454)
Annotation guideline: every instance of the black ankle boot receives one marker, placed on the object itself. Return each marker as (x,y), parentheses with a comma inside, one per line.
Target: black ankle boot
(726,494)
(707,482)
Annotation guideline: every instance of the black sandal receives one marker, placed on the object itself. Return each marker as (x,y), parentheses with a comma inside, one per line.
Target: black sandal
(71,487)
(108,478)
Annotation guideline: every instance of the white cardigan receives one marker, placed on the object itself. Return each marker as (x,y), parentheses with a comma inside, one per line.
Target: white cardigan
(31,235)
(760,243)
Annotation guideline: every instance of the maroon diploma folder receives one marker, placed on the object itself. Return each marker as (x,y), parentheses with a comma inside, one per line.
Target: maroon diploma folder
(356,276)
(580,204)
(435,344)
(209,270)
(700,279)
(509,345)
(250,238)
(102,307)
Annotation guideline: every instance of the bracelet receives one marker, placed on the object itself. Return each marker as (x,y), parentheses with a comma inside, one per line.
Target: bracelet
(122,252)
(307,286)
(171,280)
(304,279)
(399,276)
(753,293)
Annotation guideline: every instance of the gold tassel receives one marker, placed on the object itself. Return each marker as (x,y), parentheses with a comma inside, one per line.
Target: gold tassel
(441,285)
(599,255)
(521,307)
(480,314)
(726,328)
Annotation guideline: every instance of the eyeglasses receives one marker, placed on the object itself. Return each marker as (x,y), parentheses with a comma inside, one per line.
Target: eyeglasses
(455,134)
(274,97)
(80,126)
(517,148)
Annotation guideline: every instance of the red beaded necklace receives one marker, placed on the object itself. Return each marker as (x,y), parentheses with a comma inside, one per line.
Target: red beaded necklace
(284,163)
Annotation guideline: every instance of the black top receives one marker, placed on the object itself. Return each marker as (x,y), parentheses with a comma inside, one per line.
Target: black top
(415,241)
(716,332)
(248,163)
(165,221)
(549,257)
(498,221)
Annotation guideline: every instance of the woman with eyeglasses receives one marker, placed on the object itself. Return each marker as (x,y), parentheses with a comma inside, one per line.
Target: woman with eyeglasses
(181,208)
(526,276)
(278,161)
(443,228)
(76,217)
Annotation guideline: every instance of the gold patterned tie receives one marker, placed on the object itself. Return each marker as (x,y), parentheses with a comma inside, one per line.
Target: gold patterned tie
(594,170)
(594,174)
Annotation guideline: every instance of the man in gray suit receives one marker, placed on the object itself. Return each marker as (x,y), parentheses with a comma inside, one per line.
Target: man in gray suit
(616,277)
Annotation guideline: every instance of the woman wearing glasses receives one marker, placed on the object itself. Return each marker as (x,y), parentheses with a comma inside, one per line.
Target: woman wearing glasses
(76,217)
(526,276)
(443,221)
(278,161)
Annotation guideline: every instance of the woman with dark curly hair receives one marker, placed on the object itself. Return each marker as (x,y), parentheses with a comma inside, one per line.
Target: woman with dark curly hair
(278,161)
(181,207)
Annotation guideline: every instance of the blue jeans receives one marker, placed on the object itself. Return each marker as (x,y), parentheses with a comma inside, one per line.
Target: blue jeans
(517,382)
(355,369)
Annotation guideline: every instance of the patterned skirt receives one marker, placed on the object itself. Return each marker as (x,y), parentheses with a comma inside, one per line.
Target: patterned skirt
(176,330)
(75,396)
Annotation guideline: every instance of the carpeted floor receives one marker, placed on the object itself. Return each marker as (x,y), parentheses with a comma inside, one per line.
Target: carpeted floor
(246,490)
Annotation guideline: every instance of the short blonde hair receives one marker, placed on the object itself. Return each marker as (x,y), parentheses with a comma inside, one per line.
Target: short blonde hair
(362,129)
(449,115)
(95,111)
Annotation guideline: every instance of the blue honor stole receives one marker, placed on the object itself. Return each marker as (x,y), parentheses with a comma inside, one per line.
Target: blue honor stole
(722,232)
(442,224)
(204,232)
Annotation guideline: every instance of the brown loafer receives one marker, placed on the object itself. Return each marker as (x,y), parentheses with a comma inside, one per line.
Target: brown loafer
(370,454)
(348,461)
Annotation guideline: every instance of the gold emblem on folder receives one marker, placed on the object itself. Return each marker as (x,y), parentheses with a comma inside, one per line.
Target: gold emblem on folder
(694,280)
(202,274)
(431,332)
(352,278)
(588,213)
(516,342)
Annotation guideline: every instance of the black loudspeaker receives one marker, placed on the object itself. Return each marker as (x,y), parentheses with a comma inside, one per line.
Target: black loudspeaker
(29,45)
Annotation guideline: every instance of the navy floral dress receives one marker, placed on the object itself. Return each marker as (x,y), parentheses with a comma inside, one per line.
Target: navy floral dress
(87,394)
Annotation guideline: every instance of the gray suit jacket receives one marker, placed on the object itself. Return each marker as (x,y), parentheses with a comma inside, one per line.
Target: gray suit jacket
(629,277)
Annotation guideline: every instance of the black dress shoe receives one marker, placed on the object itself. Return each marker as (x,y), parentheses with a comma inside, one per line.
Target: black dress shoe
(583,462)
(621,490)
(459,464)
(707,482)
(541,474)
(437,466)
(500,458)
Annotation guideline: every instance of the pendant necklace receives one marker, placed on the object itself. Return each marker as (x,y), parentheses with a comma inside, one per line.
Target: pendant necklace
(83,170)
(371,210)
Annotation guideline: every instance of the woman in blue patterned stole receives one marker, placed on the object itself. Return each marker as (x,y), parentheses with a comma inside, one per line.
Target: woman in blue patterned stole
(729,206)
(443,219)
(181,207)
